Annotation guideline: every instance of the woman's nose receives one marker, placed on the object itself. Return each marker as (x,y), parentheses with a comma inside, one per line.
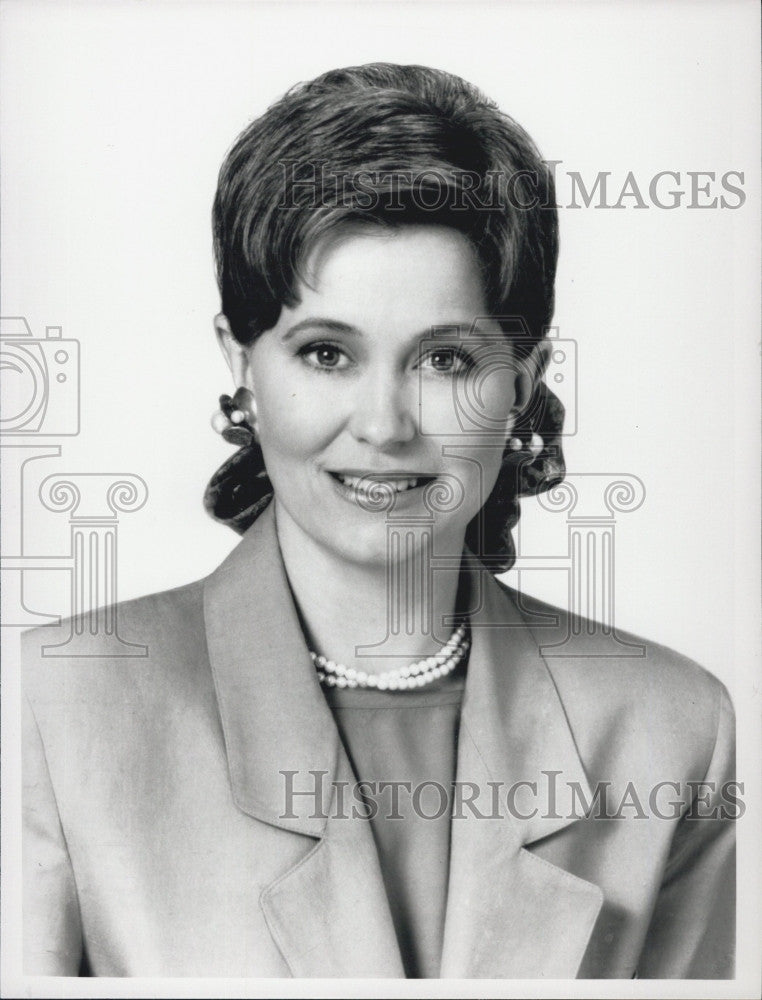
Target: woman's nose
(384,412)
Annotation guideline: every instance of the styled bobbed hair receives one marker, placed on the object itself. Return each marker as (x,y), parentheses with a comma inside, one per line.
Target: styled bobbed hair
(390,145)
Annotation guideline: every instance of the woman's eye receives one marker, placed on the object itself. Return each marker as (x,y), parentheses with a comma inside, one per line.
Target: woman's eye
(448,361)
(325,356)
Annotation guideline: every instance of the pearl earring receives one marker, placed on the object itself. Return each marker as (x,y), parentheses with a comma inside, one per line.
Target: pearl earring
(236,419)
(534,445)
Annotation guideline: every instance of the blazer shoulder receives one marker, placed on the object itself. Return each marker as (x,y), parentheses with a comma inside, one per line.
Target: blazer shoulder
(164,628)
(638,685)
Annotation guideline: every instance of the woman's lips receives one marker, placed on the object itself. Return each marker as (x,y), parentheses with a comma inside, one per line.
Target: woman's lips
(396,481)
(370,485)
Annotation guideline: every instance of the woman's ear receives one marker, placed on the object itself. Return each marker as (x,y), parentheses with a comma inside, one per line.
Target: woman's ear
(530,371)
(235,353)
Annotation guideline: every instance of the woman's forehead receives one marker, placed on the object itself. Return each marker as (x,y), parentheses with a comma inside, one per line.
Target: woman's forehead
(428,274)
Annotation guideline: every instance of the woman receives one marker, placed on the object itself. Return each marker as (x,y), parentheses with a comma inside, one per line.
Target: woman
(344,754)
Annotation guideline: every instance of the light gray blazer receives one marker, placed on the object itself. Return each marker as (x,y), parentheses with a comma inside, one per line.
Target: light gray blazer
(155,840)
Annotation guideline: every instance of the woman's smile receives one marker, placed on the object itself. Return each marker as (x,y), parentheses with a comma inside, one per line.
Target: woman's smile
(380,491)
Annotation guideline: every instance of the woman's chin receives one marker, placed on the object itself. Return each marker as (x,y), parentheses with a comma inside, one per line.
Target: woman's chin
(350,531)
(385,544)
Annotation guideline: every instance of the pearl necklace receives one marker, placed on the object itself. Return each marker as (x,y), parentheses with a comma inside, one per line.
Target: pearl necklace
(415,675)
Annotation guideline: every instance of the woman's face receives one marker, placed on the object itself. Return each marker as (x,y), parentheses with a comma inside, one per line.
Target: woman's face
(369,416)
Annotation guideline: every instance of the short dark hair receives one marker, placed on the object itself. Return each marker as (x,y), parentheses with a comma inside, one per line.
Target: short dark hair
(389,145)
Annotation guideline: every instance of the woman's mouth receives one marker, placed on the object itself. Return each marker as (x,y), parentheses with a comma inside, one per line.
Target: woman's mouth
(376,485)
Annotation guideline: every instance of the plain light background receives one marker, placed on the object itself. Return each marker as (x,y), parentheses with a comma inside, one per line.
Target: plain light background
(116,118)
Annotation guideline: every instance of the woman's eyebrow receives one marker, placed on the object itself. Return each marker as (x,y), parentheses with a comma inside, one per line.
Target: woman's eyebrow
(459,328)
(442,333)
(320,323)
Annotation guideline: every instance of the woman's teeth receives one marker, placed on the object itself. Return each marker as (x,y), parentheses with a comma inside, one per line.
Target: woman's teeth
(366,485)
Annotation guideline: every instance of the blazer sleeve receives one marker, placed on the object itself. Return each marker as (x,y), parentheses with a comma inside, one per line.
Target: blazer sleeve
(51,917)
(692,930)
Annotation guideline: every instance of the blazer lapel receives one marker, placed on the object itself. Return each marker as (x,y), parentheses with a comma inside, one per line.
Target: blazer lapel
(511,914)
(328,913)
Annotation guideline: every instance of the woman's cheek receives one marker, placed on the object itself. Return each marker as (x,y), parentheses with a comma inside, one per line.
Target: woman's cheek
(491,418)
(300,422)
(469,405)
(444,408)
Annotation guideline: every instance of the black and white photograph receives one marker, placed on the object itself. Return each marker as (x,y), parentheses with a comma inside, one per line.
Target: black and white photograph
(380,468)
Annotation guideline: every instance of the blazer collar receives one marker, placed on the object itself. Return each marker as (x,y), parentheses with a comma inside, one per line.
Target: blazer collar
(274,716)
(513,716)
(510,914)
(328,914)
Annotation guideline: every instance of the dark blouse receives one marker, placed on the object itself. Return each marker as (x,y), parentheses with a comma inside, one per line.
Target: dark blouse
(411,737)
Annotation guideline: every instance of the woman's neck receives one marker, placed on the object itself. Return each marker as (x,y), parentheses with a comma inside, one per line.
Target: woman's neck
(371,616)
